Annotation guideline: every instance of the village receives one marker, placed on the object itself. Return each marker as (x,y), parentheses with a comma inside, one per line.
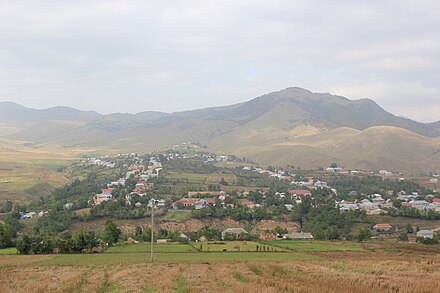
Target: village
(143,193)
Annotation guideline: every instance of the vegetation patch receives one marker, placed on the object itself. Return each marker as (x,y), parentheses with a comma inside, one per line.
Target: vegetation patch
(239,277)
(180,285)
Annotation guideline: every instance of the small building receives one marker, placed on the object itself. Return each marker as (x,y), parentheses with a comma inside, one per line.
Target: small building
(236,233)
(131,240)
(249,204)
(425,234)
(100,198)
(419,204)
(183,238)
(299,192)
(68,205)
(382,227)
(298,236)
(267,237)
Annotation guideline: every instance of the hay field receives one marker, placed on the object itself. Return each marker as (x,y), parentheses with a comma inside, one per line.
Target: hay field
(215,178)
(376,268)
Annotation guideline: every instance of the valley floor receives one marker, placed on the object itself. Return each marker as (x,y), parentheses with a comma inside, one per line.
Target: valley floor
(374,267)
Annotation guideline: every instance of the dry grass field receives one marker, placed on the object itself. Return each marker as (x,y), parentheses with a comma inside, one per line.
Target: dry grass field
(27,172)
(380,267)
(215,178)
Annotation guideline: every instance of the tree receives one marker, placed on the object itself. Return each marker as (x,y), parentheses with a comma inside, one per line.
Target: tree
(409,228)
(397,203)
(279,231)
(403,236)
(223,181)
(363,235)
(333,165)
(333,233)
(5,235)
(111,233)
(24,244)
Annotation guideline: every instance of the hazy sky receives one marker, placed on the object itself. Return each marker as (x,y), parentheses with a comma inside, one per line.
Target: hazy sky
(132,56)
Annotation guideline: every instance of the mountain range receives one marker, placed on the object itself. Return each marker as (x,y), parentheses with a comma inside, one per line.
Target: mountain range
(293,126)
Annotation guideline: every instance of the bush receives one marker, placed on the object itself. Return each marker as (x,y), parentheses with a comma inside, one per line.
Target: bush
(5,235)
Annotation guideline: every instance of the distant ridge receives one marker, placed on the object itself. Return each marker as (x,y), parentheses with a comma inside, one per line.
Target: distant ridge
(288,126)
(13,113)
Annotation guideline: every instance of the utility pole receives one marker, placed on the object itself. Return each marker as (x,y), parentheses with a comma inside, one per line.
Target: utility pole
(153,203)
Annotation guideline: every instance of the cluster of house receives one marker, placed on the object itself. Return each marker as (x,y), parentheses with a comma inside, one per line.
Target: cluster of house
(373,205)
(186,146)
(279,174)
(240,233)
(141,186)
(193,200)
(210,199)
(207,158)
(389,228)
(34,214)
(337,170)
(423,205)
(100,162)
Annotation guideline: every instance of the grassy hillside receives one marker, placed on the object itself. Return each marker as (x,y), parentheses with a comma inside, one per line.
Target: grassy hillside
(292,126)
(374,148)
(27,172)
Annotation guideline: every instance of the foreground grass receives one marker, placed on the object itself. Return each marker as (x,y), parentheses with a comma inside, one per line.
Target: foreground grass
(242,272)
(174,257)
(302,267)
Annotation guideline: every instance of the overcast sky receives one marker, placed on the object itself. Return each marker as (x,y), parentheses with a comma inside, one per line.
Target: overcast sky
(132,56)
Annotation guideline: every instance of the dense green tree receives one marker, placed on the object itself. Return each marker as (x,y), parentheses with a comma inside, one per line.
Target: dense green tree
(403,236)
(111,233)
(24,244)
(5,235)
(363,235)
(409,228)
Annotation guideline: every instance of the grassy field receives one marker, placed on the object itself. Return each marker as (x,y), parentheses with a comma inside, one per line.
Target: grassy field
(27,172)
(242,246)
(177,216)
(145,247)
(315,246)
(376,268)
(8,251)
(192,178)
(215,178)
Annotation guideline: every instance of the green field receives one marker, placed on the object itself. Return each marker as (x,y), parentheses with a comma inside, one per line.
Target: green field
(11,250)
(237,246)
(177,216)
(194,178)
(145,247)
(138,258)
(316,246)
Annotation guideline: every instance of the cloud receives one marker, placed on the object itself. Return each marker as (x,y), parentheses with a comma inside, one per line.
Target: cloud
(131,56)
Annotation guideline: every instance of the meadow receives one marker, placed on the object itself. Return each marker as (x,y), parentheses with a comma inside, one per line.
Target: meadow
(314,267)
(316,246)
